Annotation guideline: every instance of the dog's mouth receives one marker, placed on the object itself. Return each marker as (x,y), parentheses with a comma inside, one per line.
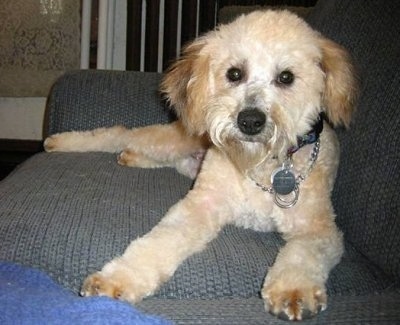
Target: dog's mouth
(251,139)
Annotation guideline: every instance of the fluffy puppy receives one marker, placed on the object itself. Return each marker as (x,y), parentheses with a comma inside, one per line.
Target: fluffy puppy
(249,97)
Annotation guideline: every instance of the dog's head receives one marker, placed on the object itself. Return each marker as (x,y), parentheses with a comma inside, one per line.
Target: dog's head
(259,82)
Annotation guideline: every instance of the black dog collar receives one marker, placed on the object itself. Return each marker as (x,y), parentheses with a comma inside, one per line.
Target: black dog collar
(311,137)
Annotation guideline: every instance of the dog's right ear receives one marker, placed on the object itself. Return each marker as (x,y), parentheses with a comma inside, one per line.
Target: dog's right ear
(186,87)
(341,84)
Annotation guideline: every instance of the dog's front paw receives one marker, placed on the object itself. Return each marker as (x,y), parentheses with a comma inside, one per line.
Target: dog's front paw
(116,285)
(99,285)
(294,304)
(130,158)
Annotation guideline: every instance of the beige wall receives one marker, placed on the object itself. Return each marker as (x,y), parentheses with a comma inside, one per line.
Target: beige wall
(40,39)
(22,118)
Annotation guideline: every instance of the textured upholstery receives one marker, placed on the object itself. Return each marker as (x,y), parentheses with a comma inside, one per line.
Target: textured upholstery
(68,218)
(69,213)
(367,191)
(105,99)
(345,310)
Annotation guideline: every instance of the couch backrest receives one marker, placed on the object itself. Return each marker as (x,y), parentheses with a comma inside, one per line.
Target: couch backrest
(88,99)
(367,190)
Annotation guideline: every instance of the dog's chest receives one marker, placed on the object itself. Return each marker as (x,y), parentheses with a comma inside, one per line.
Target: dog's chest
(256,209)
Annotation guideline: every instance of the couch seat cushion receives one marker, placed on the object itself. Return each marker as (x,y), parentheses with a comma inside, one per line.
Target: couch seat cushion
(69,213)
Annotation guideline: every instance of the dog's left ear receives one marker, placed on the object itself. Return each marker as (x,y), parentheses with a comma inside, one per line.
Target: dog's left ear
(341,87)
(186,86)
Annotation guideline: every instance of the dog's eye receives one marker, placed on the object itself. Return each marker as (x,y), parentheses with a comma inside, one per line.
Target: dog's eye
(234,74)
(286,77)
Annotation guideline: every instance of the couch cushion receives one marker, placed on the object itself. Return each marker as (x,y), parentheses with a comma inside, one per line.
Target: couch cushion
(367,190)
(366,309)
(69,213)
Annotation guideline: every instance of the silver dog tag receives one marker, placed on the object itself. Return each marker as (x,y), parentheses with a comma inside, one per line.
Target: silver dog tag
(287,201)
(283,181)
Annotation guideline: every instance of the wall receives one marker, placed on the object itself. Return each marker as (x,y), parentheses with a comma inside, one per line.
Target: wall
(22,118)
(39,41)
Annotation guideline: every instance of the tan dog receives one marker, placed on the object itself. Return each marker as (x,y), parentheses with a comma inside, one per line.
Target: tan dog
(251,93)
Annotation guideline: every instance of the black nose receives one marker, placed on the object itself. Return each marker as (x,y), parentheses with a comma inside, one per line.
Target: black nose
(251,121)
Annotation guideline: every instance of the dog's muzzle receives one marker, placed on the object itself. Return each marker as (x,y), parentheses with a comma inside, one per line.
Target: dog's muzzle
(251,121)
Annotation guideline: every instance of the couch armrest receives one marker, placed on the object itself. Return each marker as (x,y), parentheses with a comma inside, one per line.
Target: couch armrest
(87,99)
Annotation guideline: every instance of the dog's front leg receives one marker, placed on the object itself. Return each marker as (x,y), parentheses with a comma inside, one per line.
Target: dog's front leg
(113,139)
(151,260)
(294,288)
(153,146)
(167,145)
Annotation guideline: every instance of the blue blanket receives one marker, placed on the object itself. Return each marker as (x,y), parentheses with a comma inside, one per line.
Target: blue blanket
(28,296)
